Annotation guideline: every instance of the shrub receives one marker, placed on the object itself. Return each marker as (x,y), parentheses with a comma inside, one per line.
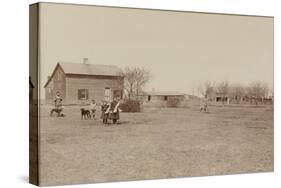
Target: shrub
(130,106)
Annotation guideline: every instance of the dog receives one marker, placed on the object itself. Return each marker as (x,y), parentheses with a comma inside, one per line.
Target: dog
(58,111)
(85,114)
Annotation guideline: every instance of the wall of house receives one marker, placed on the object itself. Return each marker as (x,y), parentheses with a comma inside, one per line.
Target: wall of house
(95,85)
(162,101)
(163,98)
(49,92)
(56,85)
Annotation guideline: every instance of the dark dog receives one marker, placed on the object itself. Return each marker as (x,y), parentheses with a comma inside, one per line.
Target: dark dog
(58,111)
(85,114)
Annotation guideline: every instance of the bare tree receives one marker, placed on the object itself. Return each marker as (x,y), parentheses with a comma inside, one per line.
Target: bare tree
(142,78)
(207,89)
(223,89)
(135,80)
(258,91)
(237,92)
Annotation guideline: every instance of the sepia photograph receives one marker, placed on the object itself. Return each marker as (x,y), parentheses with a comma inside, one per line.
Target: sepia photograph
(124,94)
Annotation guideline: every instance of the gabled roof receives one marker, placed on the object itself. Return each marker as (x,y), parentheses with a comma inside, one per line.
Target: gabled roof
(163,93)
(86,69)
(90,69)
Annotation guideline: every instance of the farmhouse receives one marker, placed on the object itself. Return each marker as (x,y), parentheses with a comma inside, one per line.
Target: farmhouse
(82,82)
(163,98)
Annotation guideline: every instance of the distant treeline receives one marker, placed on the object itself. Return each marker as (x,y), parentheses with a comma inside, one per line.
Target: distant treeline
(257,92)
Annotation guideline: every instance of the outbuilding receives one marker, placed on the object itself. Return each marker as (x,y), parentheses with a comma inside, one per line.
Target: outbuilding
(163,98)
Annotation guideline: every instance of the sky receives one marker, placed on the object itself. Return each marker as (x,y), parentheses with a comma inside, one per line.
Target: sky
(182,50)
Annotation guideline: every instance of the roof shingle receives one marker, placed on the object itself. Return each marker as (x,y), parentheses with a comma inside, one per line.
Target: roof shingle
(90,69)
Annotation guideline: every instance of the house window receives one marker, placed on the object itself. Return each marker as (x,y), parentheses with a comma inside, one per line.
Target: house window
(148,98)
(107,94)
(83,94)
(165,98)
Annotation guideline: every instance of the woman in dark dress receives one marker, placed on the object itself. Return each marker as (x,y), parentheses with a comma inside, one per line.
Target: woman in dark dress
(104,112)
(114,109)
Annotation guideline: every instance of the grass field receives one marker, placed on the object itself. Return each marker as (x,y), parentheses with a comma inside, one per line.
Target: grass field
(156,143)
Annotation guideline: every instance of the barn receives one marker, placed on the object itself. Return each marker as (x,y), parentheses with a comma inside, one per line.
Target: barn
(79,83)
(163,98)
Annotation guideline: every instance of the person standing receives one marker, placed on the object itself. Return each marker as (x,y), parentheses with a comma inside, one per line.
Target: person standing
(58,104)
(93,108)
(104,112)
(114,108)
(204,105)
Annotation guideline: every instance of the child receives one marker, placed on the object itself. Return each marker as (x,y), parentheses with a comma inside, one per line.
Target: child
(93,108)
(104,112)
(58,105)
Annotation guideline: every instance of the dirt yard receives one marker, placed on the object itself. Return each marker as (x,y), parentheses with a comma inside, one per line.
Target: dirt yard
(157,143)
